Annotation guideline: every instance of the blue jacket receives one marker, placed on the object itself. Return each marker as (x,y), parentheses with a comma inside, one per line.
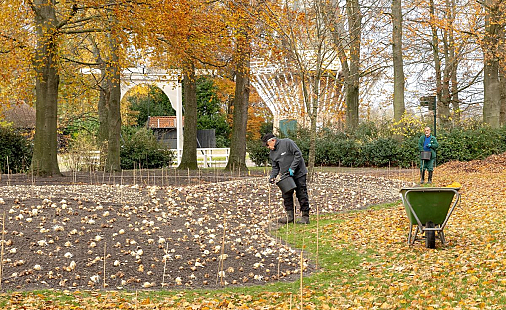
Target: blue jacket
(286,154)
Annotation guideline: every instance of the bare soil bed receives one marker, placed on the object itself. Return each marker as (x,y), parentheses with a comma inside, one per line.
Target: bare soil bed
(161,229)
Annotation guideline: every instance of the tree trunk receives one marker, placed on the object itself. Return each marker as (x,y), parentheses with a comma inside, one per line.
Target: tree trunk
(446,96)
(444,107)
(502,77)
(313,118)
(350,61)
(454,97)
(237,157)
(114,113)
(103,114)
(399,107)
(491,82)
(189,157)
(45,152)
(491,105)
(435,55)
(353,80)
(103,106)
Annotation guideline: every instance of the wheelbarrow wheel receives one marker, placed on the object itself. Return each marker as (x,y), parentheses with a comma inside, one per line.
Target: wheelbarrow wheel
(430,236)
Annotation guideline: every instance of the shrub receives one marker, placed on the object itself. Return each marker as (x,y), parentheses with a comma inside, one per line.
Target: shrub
(16,151)
(365,131)
(381,152)
(340,152)
(80,155)
(408,152)
(140,147)
(258,153)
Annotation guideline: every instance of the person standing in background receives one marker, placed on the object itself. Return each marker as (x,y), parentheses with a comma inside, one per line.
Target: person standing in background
(427,143)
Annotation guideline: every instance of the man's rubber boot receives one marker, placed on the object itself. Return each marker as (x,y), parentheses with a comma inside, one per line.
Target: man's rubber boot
(422,176)
(304,219)
(288,218)
(429,180)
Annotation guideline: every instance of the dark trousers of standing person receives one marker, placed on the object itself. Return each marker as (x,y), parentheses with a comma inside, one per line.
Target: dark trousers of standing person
(300,192)
(429,166)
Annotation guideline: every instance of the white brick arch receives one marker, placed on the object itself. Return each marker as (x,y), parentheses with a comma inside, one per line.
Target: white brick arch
(168,81)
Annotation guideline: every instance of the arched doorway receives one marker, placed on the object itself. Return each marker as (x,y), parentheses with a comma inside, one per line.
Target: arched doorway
(169,82)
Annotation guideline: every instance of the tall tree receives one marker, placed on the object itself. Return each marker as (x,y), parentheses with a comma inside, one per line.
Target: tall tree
(44,161)
(502,74)
(452,59)
(193,36)
(189,157)
(237,157)
(399,107)
(494,22)
(301,34)
(55,24)
(112,98)
(347,41)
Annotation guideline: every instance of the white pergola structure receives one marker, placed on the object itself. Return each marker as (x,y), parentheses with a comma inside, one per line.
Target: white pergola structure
(281,90)
(169,82)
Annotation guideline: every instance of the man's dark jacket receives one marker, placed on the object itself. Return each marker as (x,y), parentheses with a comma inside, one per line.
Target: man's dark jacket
(286,154)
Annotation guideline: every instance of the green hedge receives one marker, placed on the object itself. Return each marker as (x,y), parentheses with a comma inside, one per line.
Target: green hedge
(16,151)
(468,144)
(370,146)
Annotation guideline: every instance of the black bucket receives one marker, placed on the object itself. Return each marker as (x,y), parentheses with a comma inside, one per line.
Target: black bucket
(425,155)
(286,184)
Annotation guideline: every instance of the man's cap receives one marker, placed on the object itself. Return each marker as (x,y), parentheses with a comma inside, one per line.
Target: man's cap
(267,137)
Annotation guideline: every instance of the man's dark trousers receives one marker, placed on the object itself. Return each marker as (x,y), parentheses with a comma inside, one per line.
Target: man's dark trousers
(300,192)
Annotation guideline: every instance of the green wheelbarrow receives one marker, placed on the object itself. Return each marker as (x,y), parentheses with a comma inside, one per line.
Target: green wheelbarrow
(429,208)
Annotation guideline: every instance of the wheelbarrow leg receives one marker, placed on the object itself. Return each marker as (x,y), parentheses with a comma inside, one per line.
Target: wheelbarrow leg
(412,237)
(442,237)
(409,236)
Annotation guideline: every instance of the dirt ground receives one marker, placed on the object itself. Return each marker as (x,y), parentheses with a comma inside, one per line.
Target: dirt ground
(161,228)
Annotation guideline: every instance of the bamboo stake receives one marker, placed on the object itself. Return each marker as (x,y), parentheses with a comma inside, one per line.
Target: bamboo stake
(121,187)
(279,253)
(2,250)
(221,261)
(136,299)
(165,263)
(105,253)
(269,206)
(8,172)
(318,227)
(140,174)
(301,268)
(189,181)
